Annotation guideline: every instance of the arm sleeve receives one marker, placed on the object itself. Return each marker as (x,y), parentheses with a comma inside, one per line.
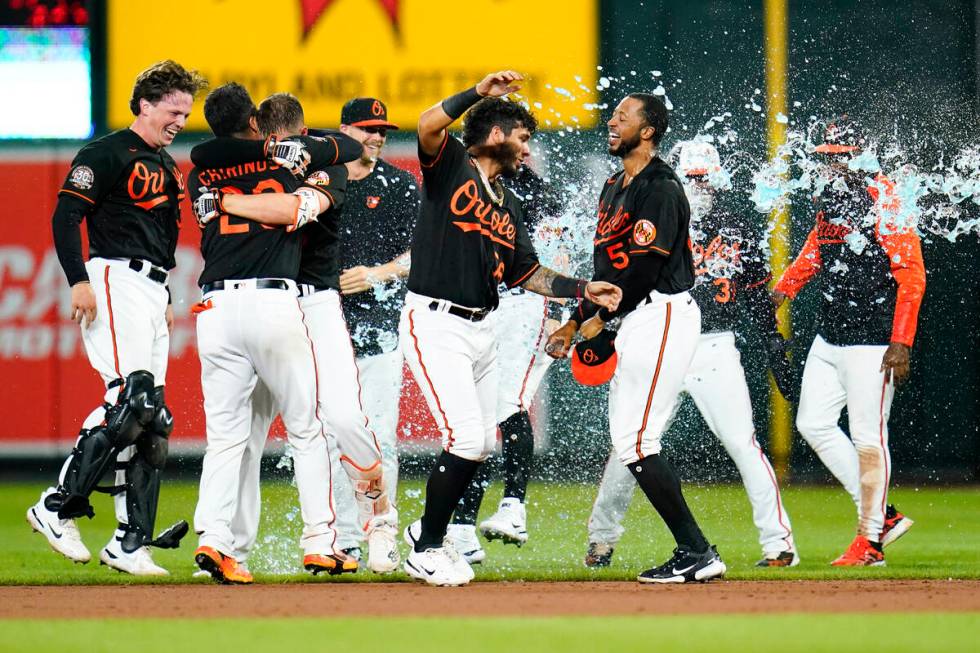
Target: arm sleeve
(905,258)
(332,148)
(525,260)
(332,182)
(437,171)
(66,228)
(656,224)
(802,269)
(222,152)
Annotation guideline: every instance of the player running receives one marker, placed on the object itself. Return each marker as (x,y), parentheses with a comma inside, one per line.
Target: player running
(872,280)
(641,244)
(732,272)
(128,190)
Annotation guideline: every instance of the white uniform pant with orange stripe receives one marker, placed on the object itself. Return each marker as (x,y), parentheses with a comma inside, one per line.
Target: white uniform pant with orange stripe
(655,345)
(454,362)
(850,376)
(129,334)
(351,443)
(716,383)
(249,334)
(519,324)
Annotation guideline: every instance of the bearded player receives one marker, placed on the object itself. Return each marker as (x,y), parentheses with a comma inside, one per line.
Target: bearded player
(641,245)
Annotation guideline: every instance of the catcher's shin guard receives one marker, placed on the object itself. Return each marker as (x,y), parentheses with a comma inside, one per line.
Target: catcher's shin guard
(98,446)
(143,474)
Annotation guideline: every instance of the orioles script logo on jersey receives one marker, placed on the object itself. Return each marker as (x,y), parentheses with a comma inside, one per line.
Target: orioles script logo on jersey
(829,233)
(611,226)
(716,254)
(143,182)
(496,225)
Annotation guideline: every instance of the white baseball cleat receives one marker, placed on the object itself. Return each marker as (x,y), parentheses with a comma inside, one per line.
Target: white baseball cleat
(137,563)
(509,523)
(383,556)
(436,566)
(413,532)
(62,534)
(466,543)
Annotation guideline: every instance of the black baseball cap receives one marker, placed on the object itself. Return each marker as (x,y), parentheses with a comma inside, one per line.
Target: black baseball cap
(366,112)
(594,361)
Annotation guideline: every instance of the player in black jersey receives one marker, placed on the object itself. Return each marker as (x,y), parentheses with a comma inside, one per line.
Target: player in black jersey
(642,244)
(470,237)
(128,190)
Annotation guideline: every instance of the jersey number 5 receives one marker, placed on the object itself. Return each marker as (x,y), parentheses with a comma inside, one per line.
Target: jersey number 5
(620,259)
(226,227)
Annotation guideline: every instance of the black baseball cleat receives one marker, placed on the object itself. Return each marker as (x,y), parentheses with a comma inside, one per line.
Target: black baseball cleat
(686,566)
(598,555)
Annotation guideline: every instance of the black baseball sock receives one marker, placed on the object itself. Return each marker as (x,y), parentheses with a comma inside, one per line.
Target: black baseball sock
(469,506)
(517,443)
(447,482)
(663,488)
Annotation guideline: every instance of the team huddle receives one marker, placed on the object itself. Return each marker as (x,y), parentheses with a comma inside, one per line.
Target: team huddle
(306,236)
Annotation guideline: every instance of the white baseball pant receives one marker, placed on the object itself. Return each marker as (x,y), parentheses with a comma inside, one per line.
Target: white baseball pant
(454,362)
(851,376)
(129,334)
(246,334)
(519,325)
(716,383)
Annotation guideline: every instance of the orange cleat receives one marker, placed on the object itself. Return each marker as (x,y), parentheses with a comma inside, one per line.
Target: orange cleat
(331,563)
(861,553)
(896,525)
(222,568)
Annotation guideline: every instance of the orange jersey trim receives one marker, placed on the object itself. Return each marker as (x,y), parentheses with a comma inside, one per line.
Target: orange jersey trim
(112,324)
(438,154)
(653,386)
(71,192)
(526,276)
(806,264)
(418,352)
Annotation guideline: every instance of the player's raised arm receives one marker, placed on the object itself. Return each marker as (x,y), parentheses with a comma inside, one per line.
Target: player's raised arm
(435,120)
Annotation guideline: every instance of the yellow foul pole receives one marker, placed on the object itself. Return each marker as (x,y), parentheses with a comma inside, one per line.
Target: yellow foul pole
(776,16)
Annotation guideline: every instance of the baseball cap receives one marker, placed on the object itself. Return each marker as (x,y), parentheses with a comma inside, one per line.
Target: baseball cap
(698,158)
(366,112)
(594,361)
(842,135)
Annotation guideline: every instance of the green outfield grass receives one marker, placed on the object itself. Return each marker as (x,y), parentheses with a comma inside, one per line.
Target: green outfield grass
(943,543)
(911,633)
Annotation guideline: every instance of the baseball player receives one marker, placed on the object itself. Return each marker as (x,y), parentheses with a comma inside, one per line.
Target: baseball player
(522,323)
(872,280)
(128,189)
(251,329)
(375,235)
(641,244)
(731,275)
(470,236)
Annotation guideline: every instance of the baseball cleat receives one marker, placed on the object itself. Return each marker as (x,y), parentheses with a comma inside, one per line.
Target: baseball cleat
(781,559)
(508,524)
(861,553)
(466,543)
(437,566)
(353,552)
(222,568)
(62,534)
(331,563)
(896,525)
(413,532)
(598,555)
(686,566)
(137,563)
(383,556)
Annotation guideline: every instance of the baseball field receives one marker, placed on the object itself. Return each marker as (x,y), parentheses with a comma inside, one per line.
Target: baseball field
(539,597)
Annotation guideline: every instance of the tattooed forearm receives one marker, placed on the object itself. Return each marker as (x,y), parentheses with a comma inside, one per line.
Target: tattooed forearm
(549,283)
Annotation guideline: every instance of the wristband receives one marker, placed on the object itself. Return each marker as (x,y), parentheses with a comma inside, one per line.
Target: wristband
(568,287)
(456,105)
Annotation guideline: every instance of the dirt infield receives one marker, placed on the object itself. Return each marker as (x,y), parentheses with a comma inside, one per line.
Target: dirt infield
(503,599)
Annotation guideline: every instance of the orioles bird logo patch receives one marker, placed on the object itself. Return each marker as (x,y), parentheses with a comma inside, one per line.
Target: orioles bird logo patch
(372,201)
(318,178)
(644,233)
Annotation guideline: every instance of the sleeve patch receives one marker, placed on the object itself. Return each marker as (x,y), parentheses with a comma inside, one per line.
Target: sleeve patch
(644,233)
(319,179)
(82,177)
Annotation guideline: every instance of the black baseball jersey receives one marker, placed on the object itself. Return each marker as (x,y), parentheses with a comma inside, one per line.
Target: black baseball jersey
(320,262)
(464,243)
(133,192)
(376,227)
(731,265)
(641,242)
(236,248)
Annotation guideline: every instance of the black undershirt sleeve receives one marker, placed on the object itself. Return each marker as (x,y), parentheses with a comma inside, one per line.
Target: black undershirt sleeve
(66,228)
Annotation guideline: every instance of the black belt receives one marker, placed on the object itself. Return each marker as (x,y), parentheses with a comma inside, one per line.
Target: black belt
(471,314)
(154,274)
(260,284)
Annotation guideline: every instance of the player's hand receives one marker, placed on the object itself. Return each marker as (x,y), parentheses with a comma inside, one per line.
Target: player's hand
(777,297)
(783,370)
(169,317)
(591,327)
(309,207)
(561,340)
(604,294)
(207,206)
(289,154)
(550,326)
(895,363)
(357,279)
(83,303)
(500,83)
